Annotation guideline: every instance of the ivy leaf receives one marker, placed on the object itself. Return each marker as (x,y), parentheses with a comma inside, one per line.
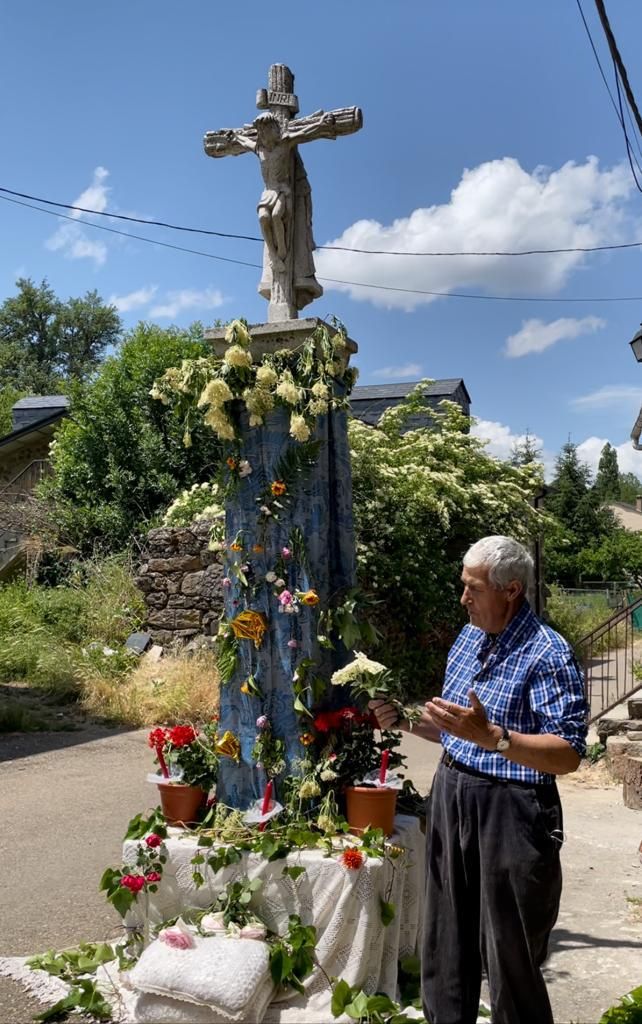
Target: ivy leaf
(341,997)
(280,965)
(387,912)
(358,1008)
(300,708)
(293,872)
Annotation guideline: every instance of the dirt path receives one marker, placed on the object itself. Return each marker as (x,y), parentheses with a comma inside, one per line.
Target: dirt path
(65,808)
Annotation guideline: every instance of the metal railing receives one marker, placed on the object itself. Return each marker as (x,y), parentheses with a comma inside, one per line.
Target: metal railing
(608,655)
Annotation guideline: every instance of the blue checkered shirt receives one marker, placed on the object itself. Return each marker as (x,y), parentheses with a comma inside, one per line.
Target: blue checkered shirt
(528,680)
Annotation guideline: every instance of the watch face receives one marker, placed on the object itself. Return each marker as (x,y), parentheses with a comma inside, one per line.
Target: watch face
(503,744)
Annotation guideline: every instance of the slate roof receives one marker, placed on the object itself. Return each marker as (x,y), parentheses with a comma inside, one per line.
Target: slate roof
(438,388)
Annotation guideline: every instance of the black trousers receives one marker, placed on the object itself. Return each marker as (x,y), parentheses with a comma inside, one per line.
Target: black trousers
(492,897)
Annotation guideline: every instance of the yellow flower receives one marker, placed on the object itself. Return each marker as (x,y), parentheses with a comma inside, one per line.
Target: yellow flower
(236,547)
(237,356)
(258,549)
(237,332)
(249,625)
(266,376)
(278,488)
(310,597)
(306,739)
(299,429)
(228,746)
(250,687)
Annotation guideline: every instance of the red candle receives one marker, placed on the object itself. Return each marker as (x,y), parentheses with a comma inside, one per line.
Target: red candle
(385,757)
(161,761)
(267,796)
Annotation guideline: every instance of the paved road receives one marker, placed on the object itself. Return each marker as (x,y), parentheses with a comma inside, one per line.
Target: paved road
(65,809)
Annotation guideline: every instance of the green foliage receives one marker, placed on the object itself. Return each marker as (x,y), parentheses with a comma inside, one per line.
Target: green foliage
(629,1010)
(595,752)
(575,616)
(292,956)
(119,459)
(45,342)
(43,630)
(8,398)
(420,499)
(615,557)
(375,1009)
(70,965)
(607,481)
(630,487)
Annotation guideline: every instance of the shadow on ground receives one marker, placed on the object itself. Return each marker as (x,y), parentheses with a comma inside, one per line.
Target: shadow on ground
(33,721)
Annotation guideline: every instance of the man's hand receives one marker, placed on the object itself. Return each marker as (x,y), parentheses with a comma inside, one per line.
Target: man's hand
(467,723)
(387,716)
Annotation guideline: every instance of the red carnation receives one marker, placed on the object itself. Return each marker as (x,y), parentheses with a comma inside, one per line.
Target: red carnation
(133,882)
(181,735)
(157,738)
(352,858)
(153,841)
(152,876)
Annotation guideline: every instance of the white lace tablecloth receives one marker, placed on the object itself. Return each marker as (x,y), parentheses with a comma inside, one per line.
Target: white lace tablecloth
(343,904)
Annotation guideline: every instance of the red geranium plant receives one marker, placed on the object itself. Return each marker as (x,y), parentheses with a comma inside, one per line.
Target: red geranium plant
(185,754)
(349,746)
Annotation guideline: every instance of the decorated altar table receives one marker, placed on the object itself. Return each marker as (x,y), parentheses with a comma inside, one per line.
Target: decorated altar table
(344,905)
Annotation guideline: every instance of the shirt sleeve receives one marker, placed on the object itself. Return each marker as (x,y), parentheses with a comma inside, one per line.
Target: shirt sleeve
(558,700)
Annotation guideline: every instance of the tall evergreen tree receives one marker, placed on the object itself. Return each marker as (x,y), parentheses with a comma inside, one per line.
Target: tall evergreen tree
(607,481)
(525,452)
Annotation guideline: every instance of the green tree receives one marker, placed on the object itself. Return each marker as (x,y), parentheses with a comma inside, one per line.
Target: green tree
(8,398)
(607,481)
(525,452)
(119,457)
(45,342)
(582,521)
(630,487)
(616,557)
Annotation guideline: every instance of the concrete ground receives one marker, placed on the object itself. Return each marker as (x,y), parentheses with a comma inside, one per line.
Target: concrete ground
(65,800)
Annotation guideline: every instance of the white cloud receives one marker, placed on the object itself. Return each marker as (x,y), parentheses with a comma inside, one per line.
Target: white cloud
(125,303)
(70,238)
(629,460)
(406,371)
(609,395)
(536,335)
(496,206)
(501,441)
(178,301)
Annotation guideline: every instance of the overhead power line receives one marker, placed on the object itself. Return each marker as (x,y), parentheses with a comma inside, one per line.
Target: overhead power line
(332,280)
(331,248)
(619,63)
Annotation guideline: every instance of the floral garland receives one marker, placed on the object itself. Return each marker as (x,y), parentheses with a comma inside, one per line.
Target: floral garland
(302,380)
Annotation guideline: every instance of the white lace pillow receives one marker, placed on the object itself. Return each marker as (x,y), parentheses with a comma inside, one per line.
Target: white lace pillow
(231,976)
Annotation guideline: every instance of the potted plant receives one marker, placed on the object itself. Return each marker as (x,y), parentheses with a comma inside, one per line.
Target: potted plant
(188,762)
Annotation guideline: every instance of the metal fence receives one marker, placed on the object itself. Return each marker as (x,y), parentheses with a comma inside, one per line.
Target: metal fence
(609,655)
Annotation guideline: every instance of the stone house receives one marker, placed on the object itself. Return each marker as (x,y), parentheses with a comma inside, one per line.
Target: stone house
(24,461)
(628,516)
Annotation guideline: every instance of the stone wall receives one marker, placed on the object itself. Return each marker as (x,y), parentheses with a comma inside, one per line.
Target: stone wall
(180,580)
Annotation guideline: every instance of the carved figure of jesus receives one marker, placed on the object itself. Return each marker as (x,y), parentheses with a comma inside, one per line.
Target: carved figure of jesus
(285,206)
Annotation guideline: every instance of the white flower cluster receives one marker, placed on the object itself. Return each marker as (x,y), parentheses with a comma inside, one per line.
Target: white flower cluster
(354,670)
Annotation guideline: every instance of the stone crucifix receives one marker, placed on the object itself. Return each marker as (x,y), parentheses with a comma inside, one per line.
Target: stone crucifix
(285,206)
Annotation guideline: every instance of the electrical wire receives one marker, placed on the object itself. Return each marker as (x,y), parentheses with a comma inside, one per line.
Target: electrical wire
(330,248)
(618,112)
(332,280)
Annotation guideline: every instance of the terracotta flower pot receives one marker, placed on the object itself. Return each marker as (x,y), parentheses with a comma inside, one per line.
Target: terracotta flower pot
(181,804)
(369,805)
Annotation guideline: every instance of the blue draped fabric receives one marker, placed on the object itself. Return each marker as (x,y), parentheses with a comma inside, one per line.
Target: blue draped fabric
(321,508)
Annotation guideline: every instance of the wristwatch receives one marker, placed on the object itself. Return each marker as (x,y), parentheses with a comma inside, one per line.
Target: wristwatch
(503,743)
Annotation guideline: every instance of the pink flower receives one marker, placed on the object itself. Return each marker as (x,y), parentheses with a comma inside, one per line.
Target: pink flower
(152,876)
(226,582)
(262,722)
(286,552)
(293,644)
(253,931)
(153,841)
(285,598)
(176,937)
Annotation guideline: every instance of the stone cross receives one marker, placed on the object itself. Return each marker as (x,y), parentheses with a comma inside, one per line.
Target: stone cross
(285,206)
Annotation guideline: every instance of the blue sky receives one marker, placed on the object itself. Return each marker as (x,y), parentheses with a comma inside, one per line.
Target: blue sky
(486,126)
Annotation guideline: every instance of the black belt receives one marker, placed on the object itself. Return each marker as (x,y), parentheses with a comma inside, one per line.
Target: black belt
(449,761)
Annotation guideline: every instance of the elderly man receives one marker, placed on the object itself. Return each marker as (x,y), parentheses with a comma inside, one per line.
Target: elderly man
(511,717)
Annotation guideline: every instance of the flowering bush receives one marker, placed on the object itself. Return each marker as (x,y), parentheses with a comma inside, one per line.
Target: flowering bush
(200,502)
(187,755)
(420,498)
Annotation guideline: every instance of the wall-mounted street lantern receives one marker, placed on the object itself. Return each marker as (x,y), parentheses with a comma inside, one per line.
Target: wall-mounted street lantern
(636,345)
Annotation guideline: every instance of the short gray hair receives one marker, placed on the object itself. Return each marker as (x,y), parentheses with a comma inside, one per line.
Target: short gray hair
(505,558)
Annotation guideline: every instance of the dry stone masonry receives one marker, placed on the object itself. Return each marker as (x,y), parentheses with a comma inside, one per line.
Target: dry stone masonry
(180,580)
